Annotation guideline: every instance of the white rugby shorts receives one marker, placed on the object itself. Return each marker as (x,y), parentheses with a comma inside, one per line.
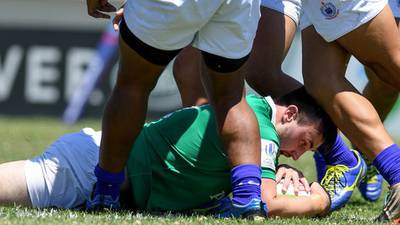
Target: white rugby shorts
(63,176)
(290,8)
(395,6)
(334,18)
(221,27)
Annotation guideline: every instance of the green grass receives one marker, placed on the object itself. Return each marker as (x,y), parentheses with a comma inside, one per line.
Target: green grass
(25,138)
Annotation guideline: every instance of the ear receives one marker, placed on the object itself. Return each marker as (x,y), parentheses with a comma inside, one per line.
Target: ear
(291,113)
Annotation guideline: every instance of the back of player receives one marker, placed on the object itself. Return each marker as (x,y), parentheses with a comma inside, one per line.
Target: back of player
(167,167)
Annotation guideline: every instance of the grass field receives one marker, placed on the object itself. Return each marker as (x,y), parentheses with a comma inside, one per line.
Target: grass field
(24,138)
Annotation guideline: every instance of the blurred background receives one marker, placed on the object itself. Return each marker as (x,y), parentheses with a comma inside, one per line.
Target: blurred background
(49,48)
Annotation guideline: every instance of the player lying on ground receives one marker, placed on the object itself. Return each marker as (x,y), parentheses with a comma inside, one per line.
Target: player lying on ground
(177,157)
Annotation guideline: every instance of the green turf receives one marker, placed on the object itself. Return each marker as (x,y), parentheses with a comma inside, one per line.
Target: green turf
(24,138)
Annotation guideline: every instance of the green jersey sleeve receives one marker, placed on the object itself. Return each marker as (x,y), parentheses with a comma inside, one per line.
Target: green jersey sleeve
(265,111)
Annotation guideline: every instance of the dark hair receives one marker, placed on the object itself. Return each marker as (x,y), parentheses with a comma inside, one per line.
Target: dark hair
(310,112)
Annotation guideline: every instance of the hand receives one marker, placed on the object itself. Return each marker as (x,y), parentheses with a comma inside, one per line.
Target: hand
(97,7)
(292,175)
(117,19)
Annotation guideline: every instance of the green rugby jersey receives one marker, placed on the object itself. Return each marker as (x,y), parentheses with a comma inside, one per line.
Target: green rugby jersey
(178,161)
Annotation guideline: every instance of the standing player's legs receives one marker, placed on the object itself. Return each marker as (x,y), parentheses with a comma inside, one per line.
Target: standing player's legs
(317,74)
(239,131)
(125,112)
(13,189)
(339,99)
(274,37)
(377,45)
(225,43)
(186,70)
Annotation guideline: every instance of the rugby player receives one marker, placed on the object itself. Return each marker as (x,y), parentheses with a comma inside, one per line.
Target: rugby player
(151,35)
(178,163)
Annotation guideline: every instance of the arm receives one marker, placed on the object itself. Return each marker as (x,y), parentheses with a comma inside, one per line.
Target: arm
(287,206)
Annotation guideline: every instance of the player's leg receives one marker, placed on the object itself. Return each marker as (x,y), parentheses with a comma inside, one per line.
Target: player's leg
(240,135)
(13,189)
(380,51)
(324,63)
(226,43)
(125,112)
(275,34)
(376,44)
(383,97)
(186,70)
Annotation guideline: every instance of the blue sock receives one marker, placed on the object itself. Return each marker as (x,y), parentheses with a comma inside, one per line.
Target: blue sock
(338,153)
(108,183)
(388,164)
(246,183)
(320,165)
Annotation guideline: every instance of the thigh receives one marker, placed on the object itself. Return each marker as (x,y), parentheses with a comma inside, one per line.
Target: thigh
(274,37)
(377,45)
(323,63)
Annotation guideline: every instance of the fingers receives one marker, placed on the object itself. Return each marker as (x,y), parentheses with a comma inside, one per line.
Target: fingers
(117,19)
(296,183)
(286,182)
(96,8)
(305,184)
(280,174)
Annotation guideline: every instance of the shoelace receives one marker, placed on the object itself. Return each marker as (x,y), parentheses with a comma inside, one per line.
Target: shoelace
(372,174)
(331,178)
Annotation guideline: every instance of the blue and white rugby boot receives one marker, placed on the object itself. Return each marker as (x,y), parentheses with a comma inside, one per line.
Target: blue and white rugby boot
(255,209)
(98,202)
(340,181)
(371,187)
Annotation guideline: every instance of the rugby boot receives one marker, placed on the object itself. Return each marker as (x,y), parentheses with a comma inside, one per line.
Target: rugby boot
(340,181)
(371,187)
(255,209)
(98,202)
(391,208)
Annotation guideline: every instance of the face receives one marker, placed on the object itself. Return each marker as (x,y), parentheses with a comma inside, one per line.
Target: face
(296,139)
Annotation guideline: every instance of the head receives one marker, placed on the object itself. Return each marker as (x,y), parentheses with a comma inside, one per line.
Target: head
(302,124)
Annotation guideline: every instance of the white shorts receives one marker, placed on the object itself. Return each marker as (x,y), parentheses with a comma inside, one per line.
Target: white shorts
(333,19)
(395,6)
(63,176)
(290,8)
(221,27)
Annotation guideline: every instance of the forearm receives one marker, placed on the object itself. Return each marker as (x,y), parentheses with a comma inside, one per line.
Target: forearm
(301,206)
